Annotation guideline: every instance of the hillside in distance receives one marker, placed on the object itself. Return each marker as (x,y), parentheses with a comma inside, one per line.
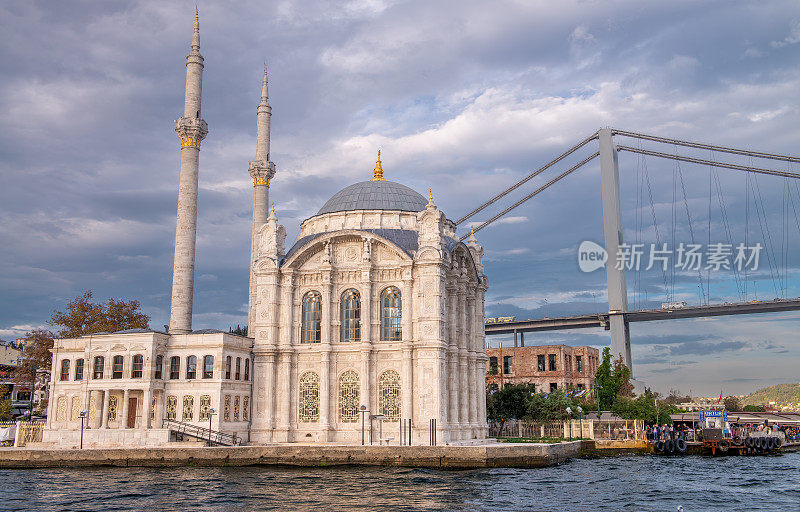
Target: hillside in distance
(781,394)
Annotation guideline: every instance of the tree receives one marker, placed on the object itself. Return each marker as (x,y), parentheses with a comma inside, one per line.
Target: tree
(613,381)
(511,402)
(5,403)
(753,408)
(241,331)
(81,316)
(550,407)
(732,403)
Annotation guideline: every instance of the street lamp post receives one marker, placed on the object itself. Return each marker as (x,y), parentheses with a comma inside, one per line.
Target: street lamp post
(211,413)
(363,412)
(580,421)
(569,413)
(83,418)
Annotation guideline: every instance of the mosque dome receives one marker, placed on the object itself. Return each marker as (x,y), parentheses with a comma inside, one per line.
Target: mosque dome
(375,194)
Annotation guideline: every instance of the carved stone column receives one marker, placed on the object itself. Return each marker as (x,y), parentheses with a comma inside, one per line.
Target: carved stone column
(147,406)
(125,405)
(106,400)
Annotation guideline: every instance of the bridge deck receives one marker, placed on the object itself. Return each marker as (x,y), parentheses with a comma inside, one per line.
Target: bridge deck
(645,315)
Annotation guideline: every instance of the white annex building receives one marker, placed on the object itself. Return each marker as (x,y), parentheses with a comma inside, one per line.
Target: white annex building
(377,305)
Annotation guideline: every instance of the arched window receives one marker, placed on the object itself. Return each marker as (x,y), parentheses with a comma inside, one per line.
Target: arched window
(228,367)
(312,317)
(138,366)
(79,369)
(391,315)
(191,367)
(237,375)
(351,316)
(208,367)
(309,398)
(389,395)
(65,369)
(348,397)
(159,367)
(116,368)
(247,369)
(175,367)
(99,363)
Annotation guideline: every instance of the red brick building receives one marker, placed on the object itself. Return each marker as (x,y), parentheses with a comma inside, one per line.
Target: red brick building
(547,366)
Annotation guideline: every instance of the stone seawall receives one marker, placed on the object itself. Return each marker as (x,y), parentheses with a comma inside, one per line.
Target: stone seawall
(441,457)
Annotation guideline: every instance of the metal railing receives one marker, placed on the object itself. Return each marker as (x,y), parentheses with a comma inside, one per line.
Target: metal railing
(202,433)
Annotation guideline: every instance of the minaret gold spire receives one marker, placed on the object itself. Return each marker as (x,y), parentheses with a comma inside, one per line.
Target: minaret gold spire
(378,171)
(196,35)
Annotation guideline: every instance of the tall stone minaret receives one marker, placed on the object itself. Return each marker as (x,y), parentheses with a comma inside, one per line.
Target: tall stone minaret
(261,170)
(191,129)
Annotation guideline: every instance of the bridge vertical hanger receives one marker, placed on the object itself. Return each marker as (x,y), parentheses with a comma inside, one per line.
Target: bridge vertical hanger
(612,229)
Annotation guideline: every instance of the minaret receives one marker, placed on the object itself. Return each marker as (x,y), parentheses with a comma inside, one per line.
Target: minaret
(261,170)
(191,129)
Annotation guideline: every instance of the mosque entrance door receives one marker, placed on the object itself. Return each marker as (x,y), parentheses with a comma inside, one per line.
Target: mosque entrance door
(132,412)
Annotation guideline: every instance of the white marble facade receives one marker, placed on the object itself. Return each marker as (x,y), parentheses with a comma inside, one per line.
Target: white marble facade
(418,350)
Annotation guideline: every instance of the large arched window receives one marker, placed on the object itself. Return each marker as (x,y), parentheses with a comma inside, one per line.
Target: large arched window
(351,316)
(312,317)
(391,315)
(308,409)
(79,369)
(389,395)
(348,397)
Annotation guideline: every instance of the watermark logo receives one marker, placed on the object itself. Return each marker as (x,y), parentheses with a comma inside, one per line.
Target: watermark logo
(687,257)
(591,256)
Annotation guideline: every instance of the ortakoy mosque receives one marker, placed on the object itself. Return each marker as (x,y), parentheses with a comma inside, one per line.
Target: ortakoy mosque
(377,303)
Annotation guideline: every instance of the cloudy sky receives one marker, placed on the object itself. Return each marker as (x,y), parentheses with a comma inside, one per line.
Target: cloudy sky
(464,100)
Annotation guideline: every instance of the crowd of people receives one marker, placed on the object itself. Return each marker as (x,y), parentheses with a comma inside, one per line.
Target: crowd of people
(691,433)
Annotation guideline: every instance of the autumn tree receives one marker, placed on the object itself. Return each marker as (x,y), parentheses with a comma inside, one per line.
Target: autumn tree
(80,317)
(732,404)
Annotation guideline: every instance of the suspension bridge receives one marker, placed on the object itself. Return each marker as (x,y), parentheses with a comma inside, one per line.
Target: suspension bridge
(621,256)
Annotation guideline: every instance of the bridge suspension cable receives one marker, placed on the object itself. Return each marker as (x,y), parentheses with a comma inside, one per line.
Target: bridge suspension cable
(527,178)
(538,190)
(737,167)
(710,147)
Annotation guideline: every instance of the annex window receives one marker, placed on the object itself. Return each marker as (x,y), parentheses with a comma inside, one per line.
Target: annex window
(79,369)
(551,362)
(175,367)
(113,405)
(205,408)
(138,366)
(540,363)
(191,367)
(309,398)
(172,407)
(391,315)
(159,367)
(228,367)
(578,364)
(493,365)
(188,408)
(208,367)
(389,395)
(508,366)
(99,363)
(312,317)
(65,369)
(116,368)
(246,368)
(348,397)
(351,316)
(581,387)
(238,367)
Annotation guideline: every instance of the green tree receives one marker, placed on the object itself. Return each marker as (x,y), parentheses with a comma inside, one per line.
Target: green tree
(732,404)
(613,380)
(753,408)
(508,403)
(550,407)
(5,403)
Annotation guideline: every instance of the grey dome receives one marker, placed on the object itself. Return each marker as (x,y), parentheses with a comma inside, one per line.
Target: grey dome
(375,195)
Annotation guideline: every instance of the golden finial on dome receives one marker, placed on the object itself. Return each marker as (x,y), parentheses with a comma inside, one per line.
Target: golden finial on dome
(430,194)
(273,208)
(378,171)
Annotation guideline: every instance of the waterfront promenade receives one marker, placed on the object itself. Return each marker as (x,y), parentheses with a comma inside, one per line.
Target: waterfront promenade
(441,457)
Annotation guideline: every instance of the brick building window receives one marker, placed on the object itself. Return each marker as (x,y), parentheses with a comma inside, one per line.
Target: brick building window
(553,386)
(540,363)
(507,365)
(493,365)
(551,360)
(581,386)
(579,364)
